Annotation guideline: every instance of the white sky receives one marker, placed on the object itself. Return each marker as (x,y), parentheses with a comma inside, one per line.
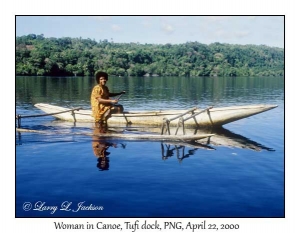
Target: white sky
(267,30)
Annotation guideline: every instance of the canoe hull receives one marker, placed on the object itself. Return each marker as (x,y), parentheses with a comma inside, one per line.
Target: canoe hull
(214,117)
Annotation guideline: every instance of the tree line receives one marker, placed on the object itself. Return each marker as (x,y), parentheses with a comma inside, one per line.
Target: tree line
(40,56)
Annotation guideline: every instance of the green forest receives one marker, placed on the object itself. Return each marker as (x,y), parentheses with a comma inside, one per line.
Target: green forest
(40,56)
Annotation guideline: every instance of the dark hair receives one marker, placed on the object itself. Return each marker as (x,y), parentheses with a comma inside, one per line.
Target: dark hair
(100,74)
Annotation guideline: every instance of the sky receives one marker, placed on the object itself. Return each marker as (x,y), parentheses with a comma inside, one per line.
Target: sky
(258,30)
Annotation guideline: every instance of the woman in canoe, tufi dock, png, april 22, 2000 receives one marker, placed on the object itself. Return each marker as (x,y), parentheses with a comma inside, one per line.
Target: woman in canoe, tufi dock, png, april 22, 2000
(102,105)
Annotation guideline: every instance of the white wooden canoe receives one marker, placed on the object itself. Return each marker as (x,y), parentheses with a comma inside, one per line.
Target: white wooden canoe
(214,117)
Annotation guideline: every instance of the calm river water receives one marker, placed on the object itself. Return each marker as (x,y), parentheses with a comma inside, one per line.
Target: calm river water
(240,174)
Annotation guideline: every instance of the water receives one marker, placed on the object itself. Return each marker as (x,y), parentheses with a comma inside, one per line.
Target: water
(242,176)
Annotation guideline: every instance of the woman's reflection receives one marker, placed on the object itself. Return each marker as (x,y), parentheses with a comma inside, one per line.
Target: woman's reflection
(100,147)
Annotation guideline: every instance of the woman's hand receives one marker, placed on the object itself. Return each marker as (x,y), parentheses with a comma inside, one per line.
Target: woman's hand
(114,101)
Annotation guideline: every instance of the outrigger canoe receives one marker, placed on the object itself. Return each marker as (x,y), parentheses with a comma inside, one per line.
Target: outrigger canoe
(209,117)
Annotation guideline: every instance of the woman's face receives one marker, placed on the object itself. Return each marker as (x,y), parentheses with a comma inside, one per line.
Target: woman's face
(102,81)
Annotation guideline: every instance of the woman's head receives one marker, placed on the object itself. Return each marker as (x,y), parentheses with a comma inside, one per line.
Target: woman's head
(101,74)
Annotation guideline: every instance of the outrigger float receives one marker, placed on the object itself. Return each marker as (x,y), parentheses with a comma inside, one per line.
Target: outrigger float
(131,136)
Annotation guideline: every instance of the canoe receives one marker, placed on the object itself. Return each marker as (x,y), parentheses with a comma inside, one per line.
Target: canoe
(213,117)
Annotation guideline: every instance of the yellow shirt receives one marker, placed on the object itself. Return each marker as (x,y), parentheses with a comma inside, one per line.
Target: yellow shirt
(98,109)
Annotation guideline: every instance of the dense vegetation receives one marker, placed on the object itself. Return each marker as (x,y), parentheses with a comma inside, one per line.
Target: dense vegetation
(37,55)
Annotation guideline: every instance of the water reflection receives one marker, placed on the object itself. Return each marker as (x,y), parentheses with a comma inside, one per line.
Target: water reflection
(100,147)
(180,150)
(222,137)
(144,92)
(62,132)
(225,137)
(167,151)
(100,151)
(18,139)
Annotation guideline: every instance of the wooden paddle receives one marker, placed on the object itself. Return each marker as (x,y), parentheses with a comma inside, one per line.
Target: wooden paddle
(117,100)
(120,96)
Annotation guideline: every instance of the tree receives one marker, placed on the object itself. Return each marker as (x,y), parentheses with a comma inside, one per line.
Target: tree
(37,55)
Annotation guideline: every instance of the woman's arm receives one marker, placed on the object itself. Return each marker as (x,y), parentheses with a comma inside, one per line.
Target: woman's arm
(105,101)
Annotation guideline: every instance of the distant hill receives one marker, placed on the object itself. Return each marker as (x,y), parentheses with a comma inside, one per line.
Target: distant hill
(37,55)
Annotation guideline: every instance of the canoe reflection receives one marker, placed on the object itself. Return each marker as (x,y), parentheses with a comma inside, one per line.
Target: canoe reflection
(222,137)
(168,151)
(181,150)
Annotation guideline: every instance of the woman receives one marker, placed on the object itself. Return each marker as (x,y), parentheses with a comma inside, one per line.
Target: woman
(100,102)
